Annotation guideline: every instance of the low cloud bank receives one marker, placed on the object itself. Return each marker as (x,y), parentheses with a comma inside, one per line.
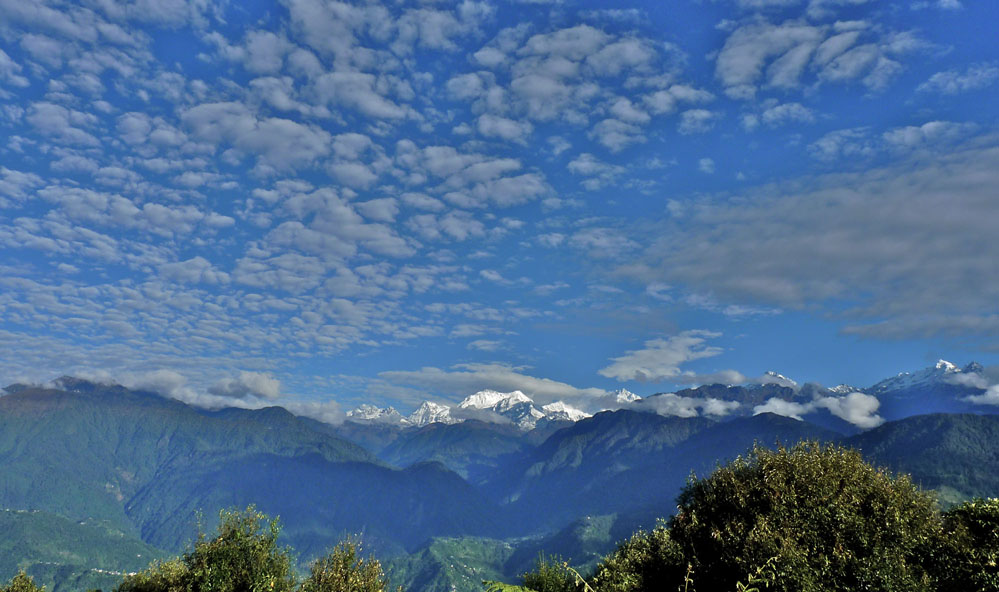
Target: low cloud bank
(857,408)
(673,405)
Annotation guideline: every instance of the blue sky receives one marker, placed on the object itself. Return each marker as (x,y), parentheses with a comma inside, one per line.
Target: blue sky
(321,204)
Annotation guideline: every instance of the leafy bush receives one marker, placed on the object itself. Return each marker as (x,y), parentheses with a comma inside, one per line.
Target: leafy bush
(343,570)
(243,557)
(822,518)
(646,561)
(968,557)
(810,518)
(160,576)
(22,582)
(551,574)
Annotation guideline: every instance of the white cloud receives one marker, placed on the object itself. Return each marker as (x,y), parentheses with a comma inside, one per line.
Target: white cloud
(248,384)
(112,210)
(360,92)
(740,63)
(381,210)
(940,4)
(471,180)
(602,243)
(437,29)
(194,270)
(759,54)
(857,408)
(504,128)
(843,143)
(706,165)
(952,82)
(900,244)
(697,121)
(598,172)
(279,143)
(989,397)
(860,142)
(933,133)
(164,382)
(661,359)
(488,345)
(16,184)
(616,134)
(62,124)
(10,71)
(780,114)
(673,405)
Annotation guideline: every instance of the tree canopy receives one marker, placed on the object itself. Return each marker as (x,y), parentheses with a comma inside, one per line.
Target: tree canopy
(244,556)
(21,582)
(808,518)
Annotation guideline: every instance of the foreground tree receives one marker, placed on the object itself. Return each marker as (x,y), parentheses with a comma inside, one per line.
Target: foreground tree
(646,561)
(22,582)
(968,556)
(344,570)
(819,517)
(244,556)
(808,518)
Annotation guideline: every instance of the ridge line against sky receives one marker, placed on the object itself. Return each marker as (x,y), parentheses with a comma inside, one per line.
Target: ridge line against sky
(332,203)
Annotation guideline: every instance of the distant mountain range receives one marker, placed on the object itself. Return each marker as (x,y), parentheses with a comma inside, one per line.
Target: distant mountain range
(942,388)
(515,408)
(514,475)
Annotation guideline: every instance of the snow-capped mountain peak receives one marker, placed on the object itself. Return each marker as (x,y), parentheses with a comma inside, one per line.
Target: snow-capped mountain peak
(430,412)
(495,400)
(371,414)
(844,389)
(771,377)
(946,366)
(624,396)
(907,380)
(521,409)
(561,411)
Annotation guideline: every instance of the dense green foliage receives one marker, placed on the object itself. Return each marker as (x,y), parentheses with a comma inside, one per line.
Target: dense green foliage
(643,562)
(21,582)
(552,574)
(244,556)
(344,570)
(806,518)
(969,557)
(829,521)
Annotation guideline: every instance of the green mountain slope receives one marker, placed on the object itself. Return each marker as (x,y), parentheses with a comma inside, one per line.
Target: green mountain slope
(63,554)
(624,461)
(147,465)
(955,454)
(450,565)
(473,449)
